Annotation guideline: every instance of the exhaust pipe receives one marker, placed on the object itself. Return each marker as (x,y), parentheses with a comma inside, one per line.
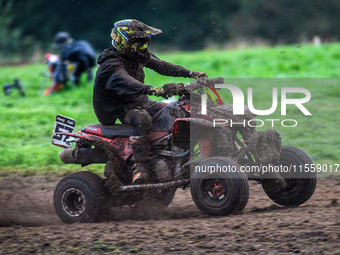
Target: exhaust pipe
(154,186)
(83,156)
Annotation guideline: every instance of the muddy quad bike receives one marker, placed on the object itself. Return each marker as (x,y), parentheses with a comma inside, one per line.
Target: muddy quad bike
(179,160)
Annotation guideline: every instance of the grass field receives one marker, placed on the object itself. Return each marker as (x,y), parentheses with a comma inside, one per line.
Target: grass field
(26,123)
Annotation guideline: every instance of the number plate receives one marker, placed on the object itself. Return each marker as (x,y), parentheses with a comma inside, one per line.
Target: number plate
(62,124)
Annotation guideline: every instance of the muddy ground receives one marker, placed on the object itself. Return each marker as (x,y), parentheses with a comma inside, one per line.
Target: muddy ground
(29,225)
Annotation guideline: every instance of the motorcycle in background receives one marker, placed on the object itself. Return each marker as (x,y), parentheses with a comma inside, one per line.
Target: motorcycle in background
(67,69)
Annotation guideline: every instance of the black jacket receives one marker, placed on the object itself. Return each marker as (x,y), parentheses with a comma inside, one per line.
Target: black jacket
(80,51)
(119,83)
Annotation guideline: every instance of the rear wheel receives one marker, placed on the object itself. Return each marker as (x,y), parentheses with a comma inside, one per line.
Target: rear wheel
(80,197)
(223,192)
(300,182)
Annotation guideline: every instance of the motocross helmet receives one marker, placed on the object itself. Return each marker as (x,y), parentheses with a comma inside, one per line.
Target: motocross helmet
(132,37)
(61,39)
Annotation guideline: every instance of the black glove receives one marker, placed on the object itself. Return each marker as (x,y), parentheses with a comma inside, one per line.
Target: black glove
(172,89)
(197,75)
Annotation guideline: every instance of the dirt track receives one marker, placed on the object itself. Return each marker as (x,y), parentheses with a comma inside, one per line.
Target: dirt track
(29,225)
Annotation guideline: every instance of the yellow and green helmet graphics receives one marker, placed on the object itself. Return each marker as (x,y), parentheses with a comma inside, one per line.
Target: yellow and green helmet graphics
(131,35)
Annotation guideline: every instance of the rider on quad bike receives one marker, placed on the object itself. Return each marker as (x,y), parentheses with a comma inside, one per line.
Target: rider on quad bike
(119,89)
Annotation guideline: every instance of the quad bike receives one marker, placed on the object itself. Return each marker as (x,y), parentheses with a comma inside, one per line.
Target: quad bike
(177,152)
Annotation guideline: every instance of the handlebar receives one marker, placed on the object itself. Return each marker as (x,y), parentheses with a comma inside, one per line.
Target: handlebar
(202,82)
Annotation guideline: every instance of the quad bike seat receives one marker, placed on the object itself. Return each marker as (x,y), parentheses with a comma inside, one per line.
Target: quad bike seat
(110,131)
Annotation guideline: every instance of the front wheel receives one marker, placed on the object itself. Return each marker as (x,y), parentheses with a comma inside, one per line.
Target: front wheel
(80,197)
(218,187)
(300,181)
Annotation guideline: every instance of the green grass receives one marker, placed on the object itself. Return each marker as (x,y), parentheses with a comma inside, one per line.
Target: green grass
(26,123)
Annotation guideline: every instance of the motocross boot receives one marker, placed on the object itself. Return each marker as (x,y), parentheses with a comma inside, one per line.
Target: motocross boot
(141,153)
(141,144)
(140,174)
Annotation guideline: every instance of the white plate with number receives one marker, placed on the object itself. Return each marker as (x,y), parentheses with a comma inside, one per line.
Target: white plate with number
(62,124)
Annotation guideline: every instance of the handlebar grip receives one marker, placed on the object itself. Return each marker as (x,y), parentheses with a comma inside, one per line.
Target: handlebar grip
(199,83)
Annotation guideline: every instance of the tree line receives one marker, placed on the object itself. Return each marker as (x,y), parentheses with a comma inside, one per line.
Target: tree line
(186,24)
